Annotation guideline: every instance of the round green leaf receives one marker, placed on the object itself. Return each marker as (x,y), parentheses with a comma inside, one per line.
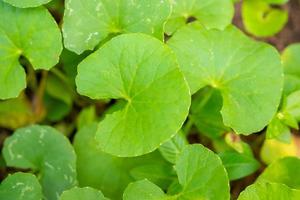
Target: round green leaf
(45,151)
(26,3)
(200,174)
(260,19)
(112,174)
(144,73)
(269,191)
(247,73)
(210,13)
(86,193)
(284,171)
(32,33)
(88,22)
(20,186)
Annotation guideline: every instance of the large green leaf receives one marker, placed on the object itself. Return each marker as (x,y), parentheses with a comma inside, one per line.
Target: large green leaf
(26,3)
(20,186)
(210,13)
(86,193)
(269,191)
(47,152)
(32,33)
(247,73)
(112,174)
(261,19)
(144,73)
(291,65)
(284,171)
(200,174)
(87,22)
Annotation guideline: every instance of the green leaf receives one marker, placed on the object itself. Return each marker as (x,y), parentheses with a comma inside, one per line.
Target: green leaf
(247,73)
(238,165)
(277,129)
(170,149)
(260,19)
(20,186)
(210,13)
(200,173)
(268,191)
(47,152)
(148,80)
(95,168)
(26,3)
(284,171)
(86,117)
(291,62)
(205,113)
(88,22)
(293,105)
(145,190)
(86,193)
(279,2)
(32,33)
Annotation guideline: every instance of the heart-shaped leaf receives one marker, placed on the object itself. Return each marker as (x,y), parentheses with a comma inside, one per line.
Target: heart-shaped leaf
(32,33)
(88,22)
(26,3)
(210,13)
(200,173)
(48,153)
(144,73)
(21,186)
(260,19)
(268,191)
(247,73)
(86,193)
(95,168)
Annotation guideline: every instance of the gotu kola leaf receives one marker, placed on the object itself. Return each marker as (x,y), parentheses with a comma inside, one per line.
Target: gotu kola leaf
(200,173)
(26,3)
(48,153)
(210,13)
(247,73)
(32,33)
(95,167)
(87,22)
(86,193)
(21,186)
(144,72)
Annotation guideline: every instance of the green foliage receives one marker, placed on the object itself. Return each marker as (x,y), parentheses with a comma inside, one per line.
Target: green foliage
(86,193)
(20,186)
(218,59)
(151,84)
(261,19)
(200,174)
(45,151)
(26,3)
(39,43)
(88,22)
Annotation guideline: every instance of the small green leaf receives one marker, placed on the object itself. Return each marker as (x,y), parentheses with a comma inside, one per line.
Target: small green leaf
(293,105)
(248,74)
(88,22)
(20,186)
(45,151)
(200,173)
(32,33)
(26,3)
(86,117)
(269,191)
(238,165)
(170,149)
(284,171)
(260,19)
(86,193)
(277,129)
(205,113)
(210,13)
(112,174)
(145,190)
(151,84)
